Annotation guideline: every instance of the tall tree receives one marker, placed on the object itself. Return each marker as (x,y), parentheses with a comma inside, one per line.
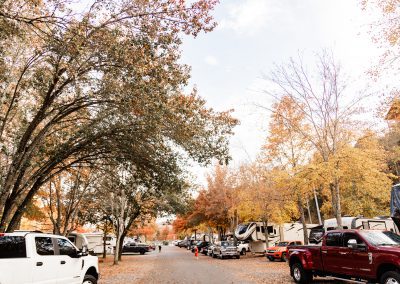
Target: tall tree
(326,107)
(79,88)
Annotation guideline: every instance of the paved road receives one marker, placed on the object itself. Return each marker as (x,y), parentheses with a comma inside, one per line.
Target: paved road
(176,265)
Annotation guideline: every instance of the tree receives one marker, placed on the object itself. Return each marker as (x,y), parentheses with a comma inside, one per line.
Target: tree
(326,107)
(67,200)
(287,149)
(80,88)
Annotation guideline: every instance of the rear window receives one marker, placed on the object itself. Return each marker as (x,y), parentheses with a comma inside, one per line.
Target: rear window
(12,247)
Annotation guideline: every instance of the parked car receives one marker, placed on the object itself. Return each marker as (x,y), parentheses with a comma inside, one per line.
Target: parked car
(190,243)
(182,244)
(204,250)
(152,246)
(243,247)
(368,255)
(210,250)
(280,250)
(225,249)
(200,245)
(135,247)
(33,258)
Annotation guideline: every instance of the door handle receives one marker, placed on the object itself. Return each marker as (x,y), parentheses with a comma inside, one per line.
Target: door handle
(39,263)
(62,261)
(342,253)
(324,251)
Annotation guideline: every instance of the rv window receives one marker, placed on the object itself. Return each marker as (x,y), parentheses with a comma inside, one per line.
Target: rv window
(262,230)
(270,229)
(72,239)
(345,227)
(333,240)
(242,229)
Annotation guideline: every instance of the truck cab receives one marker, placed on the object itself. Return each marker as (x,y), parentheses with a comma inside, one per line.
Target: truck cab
(349,255)
(44,259)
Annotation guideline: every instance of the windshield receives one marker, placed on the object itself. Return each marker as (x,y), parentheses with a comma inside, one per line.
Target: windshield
(242,229)
(224,244)
(283,244)
(379,238)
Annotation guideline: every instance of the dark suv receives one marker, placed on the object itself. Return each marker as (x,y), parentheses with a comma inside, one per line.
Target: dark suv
(135,247)
(200,245)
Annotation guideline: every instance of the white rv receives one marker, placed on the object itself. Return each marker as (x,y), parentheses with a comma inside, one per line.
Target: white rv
(93,241)
(254,232)
(376,223)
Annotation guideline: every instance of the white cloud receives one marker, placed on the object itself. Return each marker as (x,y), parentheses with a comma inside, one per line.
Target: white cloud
(246,17)
(211,60)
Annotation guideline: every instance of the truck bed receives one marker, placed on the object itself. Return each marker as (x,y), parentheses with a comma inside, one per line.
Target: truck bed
(313,253)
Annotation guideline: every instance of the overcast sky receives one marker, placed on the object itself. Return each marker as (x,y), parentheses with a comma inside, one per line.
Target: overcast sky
(252,35)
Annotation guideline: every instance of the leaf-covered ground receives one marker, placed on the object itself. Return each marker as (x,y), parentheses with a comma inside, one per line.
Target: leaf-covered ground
(175,265)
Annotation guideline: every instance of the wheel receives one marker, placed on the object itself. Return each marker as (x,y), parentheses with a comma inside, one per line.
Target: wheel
(270,258)
(283,257)
(243,252)
(299,274)
(142,252)
(221,256)
(238,257)
(89,279)
(390,277)
(214,255)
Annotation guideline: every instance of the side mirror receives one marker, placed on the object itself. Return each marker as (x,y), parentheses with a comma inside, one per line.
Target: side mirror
(352,243)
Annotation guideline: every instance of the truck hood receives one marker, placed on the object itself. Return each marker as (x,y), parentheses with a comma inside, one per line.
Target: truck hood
(277,248)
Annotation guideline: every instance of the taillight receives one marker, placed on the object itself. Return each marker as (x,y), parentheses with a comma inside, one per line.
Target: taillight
(2,234)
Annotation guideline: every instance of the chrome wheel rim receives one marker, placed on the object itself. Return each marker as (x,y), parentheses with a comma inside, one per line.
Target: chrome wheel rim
(87,282)
(297,273)
(391,280)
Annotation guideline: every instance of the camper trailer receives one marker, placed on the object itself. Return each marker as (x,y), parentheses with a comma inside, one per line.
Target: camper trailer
(376,223)
(93,241)
(254,232)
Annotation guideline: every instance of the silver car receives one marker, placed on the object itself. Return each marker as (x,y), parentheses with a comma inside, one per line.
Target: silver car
(225,249)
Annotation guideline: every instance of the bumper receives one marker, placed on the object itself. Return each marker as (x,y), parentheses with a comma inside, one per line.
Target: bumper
(274,255)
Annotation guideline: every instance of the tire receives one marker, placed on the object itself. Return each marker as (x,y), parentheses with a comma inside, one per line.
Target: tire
(390,277)
(270,258)
(221,256)
(299,274)
(214,255)
(283,257)
(243,252)
(142,252)
(238,257)
(89,279)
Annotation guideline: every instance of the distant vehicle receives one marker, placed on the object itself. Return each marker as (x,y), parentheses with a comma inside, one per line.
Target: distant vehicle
(93,241)
(175,243)
(210,250)
(183,244)
(36,258)
(204,250)
(280,250)
(200,245)
(358,256)
(135,247)
(225,249)
(243,247)
(377,223)
(254,233)
(190,244)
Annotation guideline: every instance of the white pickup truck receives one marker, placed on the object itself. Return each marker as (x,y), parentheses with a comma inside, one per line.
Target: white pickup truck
(36,258)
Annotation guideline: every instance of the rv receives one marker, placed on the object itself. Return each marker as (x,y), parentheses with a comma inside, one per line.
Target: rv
(376,223)
(254,232)
(93,241)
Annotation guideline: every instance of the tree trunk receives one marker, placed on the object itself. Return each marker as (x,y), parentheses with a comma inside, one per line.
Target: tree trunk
(317,206)
(105,231)
(265,224)
(302,218)
(336,208)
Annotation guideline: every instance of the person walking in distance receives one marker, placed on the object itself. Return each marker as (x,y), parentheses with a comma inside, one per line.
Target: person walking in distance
(159,248)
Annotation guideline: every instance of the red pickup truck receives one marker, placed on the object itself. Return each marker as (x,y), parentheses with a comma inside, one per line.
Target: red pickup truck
(358,256)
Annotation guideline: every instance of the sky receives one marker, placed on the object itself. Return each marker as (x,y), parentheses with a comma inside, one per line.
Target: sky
(228,64)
